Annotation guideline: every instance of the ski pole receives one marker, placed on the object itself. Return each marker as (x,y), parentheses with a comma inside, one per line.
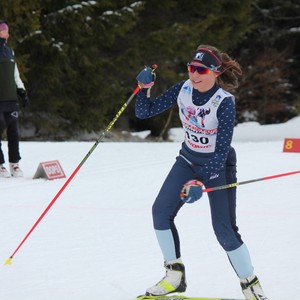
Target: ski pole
(235,184)
(110,125)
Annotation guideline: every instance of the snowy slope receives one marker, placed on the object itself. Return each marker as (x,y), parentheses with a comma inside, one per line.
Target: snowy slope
(97,241)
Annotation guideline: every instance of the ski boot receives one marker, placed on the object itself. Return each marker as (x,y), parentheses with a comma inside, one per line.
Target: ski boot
(15,170)
(3,172)
(173,281)
(252,289)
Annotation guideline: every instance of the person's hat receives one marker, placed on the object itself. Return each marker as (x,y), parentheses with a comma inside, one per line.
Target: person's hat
(3,25)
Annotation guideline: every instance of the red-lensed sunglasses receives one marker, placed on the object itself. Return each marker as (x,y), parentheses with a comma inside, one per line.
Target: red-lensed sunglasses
(201,70)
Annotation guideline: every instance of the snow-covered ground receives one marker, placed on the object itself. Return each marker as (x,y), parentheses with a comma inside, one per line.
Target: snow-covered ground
(97,241)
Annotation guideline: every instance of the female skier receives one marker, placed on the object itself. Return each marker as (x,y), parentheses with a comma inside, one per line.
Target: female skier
(207,113)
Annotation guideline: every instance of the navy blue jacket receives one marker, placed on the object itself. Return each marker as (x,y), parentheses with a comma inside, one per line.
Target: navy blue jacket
(146,108)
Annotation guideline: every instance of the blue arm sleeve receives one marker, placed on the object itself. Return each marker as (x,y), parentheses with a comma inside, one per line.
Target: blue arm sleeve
(146,108)
(226,118)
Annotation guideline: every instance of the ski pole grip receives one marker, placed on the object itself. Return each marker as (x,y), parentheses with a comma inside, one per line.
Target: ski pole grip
(154,67)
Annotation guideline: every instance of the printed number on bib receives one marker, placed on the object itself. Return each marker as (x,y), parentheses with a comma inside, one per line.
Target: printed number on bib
(201,140)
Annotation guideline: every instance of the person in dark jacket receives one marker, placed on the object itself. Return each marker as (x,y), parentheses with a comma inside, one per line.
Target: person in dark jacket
(11,89)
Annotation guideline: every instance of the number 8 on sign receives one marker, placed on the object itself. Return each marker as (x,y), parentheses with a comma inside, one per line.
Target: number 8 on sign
(291,145)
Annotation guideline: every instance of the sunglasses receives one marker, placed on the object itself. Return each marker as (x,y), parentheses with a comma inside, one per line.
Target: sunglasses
(201,70)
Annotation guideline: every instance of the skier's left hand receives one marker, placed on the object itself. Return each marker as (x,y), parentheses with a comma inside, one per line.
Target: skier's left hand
(191,191)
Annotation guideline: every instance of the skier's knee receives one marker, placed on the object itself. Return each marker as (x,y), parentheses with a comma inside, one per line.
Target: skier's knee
(160,219)
(227,240)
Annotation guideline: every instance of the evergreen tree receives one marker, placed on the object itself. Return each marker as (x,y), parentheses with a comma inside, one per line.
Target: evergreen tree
(23,20)
(168,32)
(71,65)
(270,58)
(79,59)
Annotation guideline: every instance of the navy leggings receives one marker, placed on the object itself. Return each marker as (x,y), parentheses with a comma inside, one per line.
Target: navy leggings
(222,205)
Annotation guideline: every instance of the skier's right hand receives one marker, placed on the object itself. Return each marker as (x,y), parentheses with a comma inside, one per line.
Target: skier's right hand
(146,78)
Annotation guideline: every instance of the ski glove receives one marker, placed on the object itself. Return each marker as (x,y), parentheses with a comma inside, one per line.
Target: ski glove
(191,191)
(23,97)
(146,78)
